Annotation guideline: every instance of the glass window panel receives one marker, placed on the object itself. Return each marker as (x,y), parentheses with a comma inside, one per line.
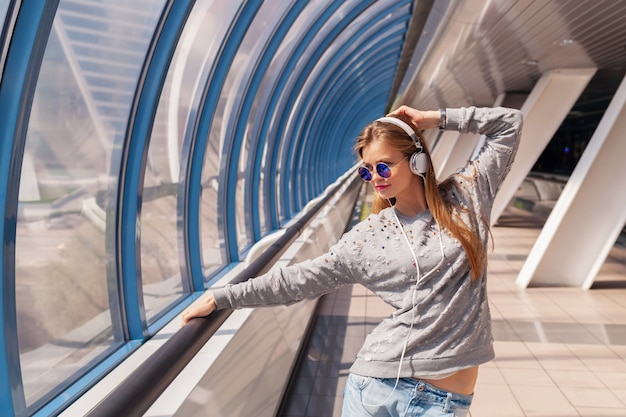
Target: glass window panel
(203,39)
(235,88)
(162,249)
(329,66)
(4,6)
(303,59)
(261,101)
(65,267)
(160,268)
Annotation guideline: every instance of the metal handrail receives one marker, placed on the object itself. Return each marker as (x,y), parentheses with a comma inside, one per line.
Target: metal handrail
(141,388)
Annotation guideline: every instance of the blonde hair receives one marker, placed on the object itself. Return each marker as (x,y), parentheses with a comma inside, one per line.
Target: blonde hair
(445,212)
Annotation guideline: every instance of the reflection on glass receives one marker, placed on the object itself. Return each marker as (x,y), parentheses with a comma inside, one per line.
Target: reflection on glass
(161,243)
(4,6)
(64,276)
(206,30)
(235,89)
(261,142)
(160,268)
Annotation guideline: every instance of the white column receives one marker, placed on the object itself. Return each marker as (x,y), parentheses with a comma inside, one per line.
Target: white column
(544,110)
(29,183)
(431,137)
(455,149)
(458,150)
(590,213)
(441,153)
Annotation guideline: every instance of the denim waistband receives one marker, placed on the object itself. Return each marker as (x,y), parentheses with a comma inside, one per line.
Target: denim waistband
(424,388)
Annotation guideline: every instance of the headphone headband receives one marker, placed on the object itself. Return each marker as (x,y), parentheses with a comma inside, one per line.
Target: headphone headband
(409,131)
(419,161)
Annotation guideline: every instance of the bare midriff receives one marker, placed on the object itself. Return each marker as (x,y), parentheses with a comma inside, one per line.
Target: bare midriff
(462,382)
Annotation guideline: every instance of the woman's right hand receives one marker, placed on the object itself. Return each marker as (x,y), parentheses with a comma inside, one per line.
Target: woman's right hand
(201,308)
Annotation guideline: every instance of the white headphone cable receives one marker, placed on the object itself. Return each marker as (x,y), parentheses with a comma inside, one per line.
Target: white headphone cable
(414,300)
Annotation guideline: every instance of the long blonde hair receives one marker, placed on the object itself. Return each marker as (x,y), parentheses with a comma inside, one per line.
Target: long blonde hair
(445,212)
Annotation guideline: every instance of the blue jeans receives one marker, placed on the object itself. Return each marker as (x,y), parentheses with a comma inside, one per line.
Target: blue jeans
(376,397)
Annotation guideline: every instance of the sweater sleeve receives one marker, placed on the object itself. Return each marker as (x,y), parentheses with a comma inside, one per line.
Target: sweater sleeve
(287,285)
(502,130)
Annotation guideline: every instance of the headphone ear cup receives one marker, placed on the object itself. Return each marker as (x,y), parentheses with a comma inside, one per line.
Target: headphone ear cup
(419,163)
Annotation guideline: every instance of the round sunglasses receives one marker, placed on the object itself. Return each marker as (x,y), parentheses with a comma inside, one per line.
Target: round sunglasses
(382,169)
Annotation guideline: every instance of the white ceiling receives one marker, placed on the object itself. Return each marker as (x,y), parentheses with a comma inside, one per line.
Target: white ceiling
(470,51)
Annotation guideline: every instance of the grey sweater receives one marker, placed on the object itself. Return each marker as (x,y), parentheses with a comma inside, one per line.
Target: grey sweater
(450,313)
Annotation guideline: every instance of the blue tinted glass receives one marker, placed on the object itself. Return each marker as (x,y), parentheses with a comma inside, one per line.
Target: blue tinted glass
(205,40)
(235,86)
(161,244)
(64,262)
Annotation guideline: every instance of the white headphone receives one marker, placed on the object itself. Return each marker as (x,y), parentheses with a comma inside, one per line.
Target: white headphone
(418,163)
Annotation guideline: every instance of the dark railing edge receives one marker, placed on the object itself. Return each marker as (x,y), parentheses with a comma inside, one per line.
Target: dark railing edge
(142,387)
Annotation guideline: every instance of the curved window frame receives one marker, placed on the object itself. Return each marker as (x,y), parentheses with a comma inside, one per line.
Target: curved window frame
(286,187)
(271,127)
(262,175)
(30,33)
(339,69)
(134,157)
(192,167)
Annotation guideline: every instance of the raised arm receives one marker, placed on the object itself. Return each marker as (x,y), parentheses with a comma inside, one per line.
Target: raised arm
(501,127)
(423,119)
(502,130)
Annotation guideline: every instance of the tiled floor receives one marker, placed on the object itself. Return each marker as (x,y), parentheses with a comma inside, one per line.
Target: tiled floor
(559,351)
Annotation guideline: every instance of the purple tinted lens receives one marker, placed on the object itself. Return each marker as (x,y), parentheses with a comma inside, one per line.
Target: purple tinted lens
(365,174)
(383,170)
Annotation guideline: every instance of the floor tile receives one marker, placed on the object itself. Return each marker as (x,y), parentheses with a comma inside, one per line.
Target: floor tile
(591,397)
(534,377)
(613,380)
(600,412)
(490,376)
(574,378)
(599,358)
(495,400)
(555,356)
(514,355)
(539,401)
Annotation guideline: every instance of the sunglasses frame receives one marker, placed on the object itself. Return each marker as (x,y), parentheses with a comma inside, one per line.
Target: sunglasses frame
(382,168)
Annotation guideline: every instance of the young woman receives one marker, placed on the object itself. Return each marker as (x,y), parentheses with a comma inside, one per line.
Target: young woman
(423,251)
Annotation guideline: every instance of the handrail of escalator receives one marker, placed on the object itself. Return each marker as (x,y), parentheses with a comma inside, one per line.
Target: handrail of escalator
(141,388)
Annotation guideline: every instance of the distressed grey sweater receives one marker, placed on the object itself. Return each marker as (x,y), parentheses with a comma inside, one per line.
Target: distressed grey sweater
(450,313)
